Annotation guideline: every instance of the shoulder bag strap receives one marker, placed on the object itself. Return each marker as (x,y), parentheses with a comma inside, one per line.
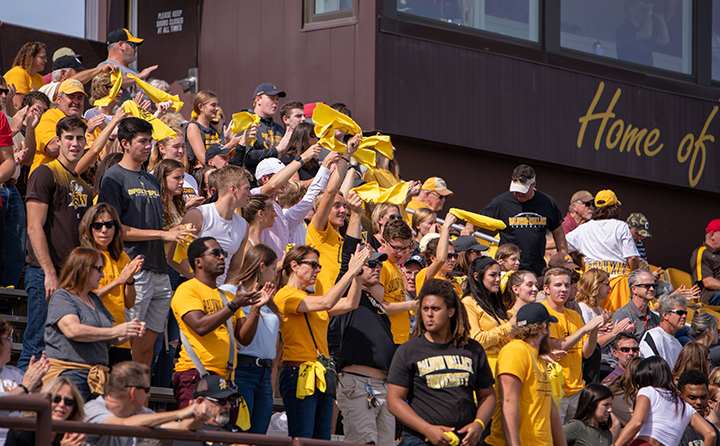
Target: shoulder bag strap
(311,333)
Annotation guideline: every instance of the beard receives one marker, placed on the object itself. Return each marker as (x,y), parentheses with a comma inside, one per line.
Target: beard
(545,345)
(222,418)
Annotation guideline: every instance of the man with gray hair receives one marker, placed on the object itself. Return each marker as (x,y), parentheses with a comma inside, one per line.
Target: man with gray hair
(642,290)
(580,210)
(661,341)
(70,67)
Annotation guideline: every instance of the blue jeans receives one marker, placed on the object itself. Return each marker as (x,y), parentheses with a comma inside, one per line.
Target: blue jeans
(310,417)
(79,377)
(255,386)
(410,440)
(34,337)
(714,299)
(15,236)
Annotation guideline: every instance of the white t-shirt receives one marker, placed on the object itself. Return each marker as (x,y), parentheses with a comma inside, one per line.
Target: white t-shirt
(603,241)
(190,188)
(228,233)
(264,343)
(665,422)
(667,346)
(10,377)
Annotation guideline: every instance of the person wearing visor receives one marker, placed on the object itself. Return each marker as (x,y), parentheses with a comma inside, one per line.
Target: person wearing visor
(528,214)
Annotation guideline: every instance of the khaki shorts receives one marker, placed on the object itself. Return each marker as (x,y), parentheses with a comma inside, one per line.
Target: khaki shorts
(365,424)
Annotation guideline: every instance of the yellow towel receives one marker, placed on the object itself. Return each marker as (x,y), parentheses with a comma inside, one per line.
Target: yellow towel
(478,220)
(241,122)
(311,375)
(381,143)
(324,115)
(160,129)
(116,79)
(243,418)
(372,193)
(156,95)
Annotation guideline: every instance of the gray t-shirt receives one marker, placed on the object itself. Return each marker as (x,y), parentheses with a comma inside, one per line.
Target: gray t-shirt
(58,346)
(131,91)
(96,411)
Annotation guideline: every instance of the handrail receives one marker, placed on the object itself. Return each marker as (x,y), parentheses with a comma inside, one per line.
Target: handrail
(477,234)
(44,426)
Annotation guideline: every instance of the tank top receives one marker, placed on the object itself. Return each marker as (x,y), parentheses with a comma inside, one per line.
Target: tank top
(228,233)
(210,136)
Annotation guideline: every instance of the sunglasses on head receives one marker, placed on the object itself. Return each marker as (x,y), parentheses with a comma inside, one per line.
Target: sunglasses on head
(97,225)
(628,349)
(311,263)
(70,402)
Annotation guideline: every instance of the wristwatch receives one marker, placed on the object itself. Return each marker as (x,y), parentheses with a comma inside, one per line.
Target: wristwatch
(231,305)
(131,283)
(300,160)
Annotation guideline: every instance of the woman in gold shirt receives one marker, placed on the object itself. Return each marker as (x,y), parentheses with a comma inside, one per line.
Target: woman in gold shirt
(489,321)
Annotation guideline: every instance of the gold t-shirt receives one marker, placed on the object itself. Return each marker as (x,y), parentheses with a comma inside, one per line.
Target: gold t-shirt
(569,321)
(297,343)
(115,300)
(329,245)
(392,280)
(24,84)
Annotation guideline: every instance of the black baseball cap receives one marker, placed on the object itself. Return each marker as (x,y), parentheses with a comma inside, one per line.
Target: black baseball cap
(468,242)
(217,149)
(122,35)
(68,62)
(533,313)
(268,89)
(215,386)
(377,256)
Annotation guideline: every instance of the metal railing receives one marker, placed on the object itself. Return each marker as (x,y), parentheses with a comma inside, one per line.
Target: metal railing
(44,426)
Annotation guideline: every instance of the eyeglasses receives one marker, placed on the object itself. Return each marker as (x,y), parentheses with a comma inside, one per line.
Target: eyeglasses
(132,44)
(98,225)
(98,268)
(4,91)
(70,402)
(146,389)
(223,401)
(374,263)
(452,255)
(647,285)
(217,253)
(7,339)
(628,349)
(680,313)
(402,248)
(440,197)
(311,263)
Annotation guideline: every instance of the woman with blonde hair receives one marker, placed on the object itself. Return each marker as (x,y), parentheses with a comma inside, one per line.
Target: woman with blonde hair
(100,87)
(200,134)
(25,72)
(424,222)
(253,372)
(383,213)
(260,215)
(67,405)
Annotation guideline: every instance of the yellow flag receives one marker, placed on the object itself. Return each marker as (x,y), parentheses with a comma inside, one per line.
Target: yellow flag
(243,419)
(310,375)
(324,115)
(156,95)
(160,129)
(241,122)
(372,193)
(478,220)
(381,143)
(116,79)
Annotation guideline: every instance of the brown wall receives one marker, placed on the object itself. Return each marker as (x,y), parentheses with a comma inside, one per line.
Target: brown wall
(677,218)
(244,43)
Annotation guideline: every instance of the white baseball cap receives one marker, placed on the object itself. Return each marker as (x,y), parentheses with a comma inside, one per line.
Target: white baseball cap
(268,166)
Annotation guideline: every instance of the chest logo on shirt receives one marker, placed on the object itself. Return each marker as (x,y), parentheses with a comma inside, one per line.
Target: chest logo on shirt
(445,362)
(271,139)
(142,192)
(78,199)
(527,220)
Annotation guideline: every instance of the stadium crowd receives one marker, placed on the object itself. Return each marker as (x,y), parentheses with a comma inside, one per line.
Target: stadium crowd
(232,258)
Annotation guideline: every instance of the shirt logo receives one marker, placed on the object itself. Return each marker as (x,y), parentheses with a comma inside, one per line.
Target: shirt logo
(527,220)
(78,199)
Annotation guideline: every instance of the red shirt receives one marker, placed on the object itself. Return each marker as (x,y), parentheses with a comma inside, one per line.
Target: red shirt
(5,132)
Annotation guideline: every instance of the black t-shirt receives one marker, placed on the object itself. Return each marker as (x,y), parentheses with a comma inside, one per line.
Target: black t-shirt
(441,379)
(526,225)
(135,195)
(304,173)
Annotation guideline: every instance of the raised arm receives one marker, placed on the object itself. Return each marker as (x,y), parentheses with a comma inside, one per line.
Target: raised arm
(99,144)
(442,247)
(296,214)
(193,217)
(281,178)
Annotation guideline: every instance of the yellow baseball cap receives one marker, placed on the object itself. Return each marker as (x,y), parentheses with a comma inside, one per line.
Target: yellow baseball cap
(70,86)
(438,185)
(606,198)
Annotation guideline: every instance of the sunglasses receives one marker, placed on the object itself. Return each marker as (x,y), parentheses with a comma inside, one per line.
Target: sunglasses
(217,253)
(98,268)
(70,402)
(628,349)
(146,389)
(4,91)
(680,313)
(588,203)
(452,255)
(373,263)
(223,401)
(647,285)
(393,217)
(132,44)
(311,263)
(98,225)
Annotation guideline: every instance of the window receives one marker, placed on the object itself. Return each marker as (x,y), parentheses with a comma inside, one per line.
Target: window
(512,18)
(317,11)
(655,34)
(716,40)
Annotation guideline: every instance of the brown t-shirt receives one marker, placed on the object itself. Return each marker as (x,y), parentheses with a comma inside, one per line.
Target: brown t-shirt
(705,263)
(67,197)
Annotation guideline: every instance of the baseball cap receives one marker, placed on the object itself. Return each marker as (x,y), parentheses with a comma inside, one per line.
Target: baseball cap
(68,62)
(65,51)
(268,166)
(426,239)
(639,223)
(70,86)
(416,259)
(215,386)
(582,195)
(268,89)
(438,185)
(561,260)
(122,35)
(713,226)
(375,256)
(533,313)
(468,242)
(521,185)
(217,149)
(606,197)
